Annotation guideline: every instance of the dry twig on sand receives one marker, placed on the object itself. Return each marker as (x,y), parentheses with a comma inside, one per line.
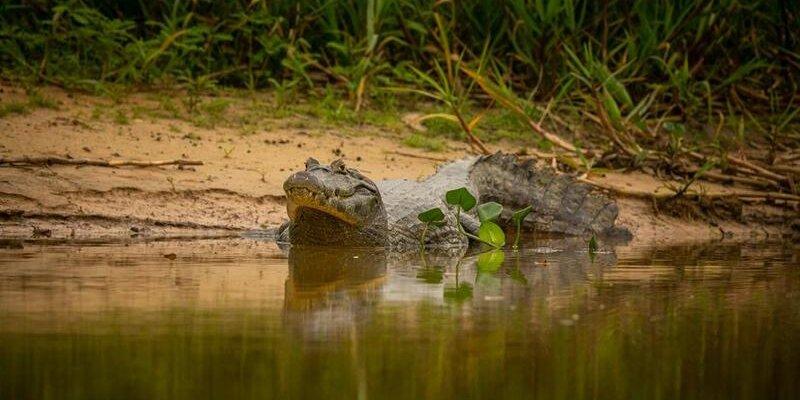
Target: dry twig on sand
(420,156)
(47,160)
(750,194)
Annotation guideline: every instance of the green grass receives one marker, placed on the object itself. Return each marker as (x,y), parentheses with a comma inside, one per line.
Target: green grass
(13,107)
(35,100)
(729,71)
(740,54)
(121,117)
(418,141)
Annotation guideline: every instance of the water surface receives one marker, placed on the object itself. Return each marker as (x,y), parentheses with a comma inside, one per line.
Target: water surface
(241,319)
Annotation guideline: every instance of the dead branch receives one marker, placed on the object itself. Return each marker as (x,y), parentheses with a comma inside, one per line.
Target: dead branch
(725,178)
(787,169)
(757,168)
(420,156)
(745,167)
(26,160)
(751,194)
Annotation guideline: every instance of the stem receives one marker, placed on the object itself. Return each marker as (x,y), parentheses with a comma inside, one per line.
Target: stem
(516,238)
(467,234)
(424,234)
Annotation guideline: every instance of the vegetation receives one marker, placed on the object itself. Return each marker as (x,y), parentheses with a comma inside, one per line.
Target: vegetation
(667,85)
(489,213)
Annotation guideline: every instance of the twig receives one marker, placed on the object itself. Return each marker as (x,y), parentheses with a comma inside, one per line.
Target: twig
(787,168)
(785,158)
(725,178)
(412,155)
(661,196)
(26,160)
(760,169)
(555,139)
(745,167)
(474,140)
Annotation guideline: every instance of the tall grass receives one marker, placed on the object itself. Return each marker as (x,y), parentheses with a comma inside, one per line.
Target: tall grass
(623,60)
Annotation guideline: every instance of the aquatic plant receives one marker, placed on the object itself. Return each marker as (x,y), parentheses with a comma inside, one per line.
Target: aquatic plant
(489,232)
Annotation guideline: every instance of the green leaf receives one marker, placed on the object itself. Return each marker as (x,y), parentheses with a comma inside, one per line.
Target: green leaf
(612,109)
(520,214)
(461,197)
(489,211)
(707,166)
(491,233)
(617,89)
(490,261)
(431,216)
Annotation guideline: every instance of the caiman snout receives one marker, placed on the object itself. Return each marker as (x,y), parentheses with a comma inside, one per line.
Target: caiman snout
(302,180)
(335,190)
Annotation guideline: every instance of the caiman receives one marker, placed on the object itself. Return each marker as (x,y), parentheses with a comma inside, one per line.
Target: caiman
(333,205)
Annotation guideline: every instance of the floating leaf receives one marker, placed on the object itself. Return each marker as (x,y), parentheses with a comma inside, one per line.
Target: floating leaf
(432,215)
(520,214)
(492,233)
(490,261)
(489,211)
(461,197)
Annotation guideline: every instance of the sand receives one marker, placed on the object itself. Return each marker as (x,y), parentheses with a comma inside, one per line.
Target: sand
(239,186)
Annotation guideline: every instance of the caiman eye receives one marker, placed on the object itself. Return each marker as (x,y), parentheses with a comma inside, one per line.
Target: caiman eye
(338,166)
(369,186)
(311,162)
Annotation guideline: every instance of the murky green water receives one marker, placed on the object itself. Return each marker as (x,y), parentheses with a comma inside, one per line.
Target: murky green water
(237,319)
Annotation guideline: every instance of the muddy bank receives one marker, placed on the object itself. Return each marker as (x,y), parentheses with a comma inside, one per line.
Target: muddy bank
(238,186)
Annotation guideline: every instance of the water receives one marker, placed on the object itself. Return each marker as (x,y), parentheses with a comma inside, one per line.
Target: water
(238,319)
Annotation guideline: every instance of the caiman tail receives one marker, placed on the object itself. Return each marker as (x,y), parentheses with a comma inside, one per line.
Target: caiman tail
(560,203)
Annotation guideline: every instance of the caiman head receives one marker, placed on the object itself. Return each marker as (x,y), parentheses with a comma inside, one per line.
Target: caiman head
(334,205)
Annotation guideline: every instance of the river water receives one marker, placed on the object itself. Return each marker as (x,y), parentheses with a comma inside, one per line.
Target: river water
(241,318)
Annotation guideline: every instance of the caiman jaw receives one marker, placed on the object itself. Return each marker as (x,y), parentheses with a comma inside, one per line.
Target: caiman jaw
(299,198)
(334,205)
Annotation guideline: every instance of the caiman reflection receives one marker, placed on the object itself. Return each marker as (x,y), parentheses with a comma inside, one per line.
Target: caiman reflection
(236,319)
(324,278)
(329,290)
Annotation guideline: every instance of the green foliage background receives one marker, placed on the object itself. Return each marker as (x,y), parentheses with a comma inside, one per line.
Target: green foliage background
(689,56)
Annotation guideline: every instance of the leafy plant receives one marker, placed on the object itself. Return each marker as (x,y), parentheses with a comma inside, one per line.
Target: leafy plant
(489,232)
(518,217)
(489,211)
(431,218)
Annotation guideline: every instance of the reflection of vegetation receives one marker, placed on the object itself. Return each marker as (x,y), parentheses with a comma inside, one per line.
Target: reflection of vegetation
(723,324)
(459,292)
(692,338)
(431,274)
(491,261)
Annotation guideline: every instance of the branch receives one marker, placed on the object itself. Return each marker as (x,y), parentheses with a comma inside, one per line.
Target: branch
(26,160)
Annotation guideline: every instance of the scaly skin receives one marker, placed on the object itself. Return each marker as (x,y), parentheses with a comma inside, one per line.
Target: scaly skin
(339,206)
